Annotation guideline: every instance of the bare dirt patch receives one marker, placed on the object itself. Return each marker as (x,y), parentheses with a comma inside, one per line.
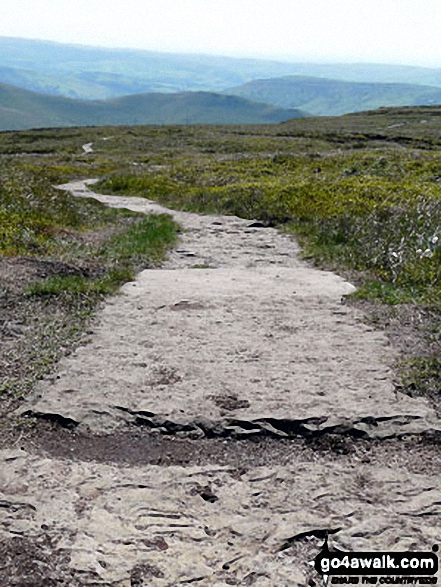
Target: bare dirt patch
(37,562)
(136,448)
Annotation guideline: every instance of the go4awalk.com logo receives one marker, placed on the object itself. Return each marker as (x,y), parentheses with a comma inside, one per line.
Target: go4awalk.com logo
(376,568)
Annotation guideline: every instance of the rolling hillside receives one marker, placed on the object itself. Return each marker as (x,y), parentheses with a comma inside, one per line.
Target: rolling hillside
(22,109)
(81,72)
(96,73)
(371,72)
(326,97)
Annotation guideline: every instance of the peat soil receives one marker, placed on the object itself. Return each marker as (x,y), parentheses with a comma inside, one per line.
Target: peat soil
(220,418)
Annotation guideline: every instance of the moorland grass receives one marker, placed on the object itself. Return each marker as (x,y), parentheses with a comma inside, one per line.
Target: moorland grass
(362,194)
(378,215)
(370,207)
(80,250)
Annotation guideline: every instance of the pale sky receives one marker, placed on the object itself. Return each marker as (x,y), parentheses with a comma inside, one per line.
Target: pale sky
(382,31)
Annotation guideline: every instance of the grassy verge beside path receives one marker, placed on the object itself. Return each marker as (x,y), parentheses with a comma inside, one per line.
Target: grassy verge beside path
(59,257)
(370,209)
(362,193)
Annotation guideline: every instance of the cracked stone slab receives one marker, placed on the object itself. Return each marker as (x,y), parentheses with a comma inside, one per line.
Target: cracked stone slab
(213,523)
(259,343)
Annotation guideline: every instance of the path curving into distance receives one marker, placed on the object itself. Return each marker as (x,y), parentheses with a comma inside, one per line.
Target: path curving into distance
(233,337)
(87,148)
(233,313)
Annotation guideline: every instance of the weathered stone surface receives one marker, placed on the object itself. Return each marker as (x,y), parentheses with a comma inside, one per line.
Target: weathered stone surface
(262,326)
(112,520)
(260,343)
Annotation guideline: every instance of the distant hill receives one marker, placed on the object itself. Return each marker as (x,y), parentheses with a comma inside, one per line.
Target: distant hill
(77,71)
(82,86)
(96,73)
(325,97)
(22,109)
(370,72)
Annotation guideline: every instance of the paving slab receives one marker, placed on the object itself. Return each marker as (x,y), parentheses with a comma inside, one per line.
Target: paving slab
(259,342)
(213,525)
(235,336)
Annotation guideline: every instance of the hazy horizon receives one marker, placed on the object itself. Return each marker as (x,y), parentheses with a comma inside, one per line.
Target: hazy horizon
(343,31)
(280,58)
(239,56)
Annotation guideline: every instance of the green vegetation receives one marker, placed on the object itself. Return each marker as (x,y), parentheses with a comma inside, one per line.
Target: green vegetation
(141,243)
(34,215)
(78,284)
(330,97)
(374,212)
(362,193)
(58,257)
(40,221)
(21,109)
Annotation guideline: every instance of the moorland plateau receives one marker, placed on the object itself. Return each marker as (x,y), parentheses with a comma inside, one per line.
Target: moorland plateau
(361,192)
(232,405)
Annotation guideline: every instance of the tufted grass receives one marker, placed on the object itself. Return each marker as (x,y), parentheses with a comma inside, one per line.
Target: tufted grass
(362,193)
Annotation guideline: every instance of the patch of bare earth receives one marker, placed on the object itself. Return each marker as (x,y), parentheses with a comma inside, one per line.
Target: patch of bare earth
(217,425)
